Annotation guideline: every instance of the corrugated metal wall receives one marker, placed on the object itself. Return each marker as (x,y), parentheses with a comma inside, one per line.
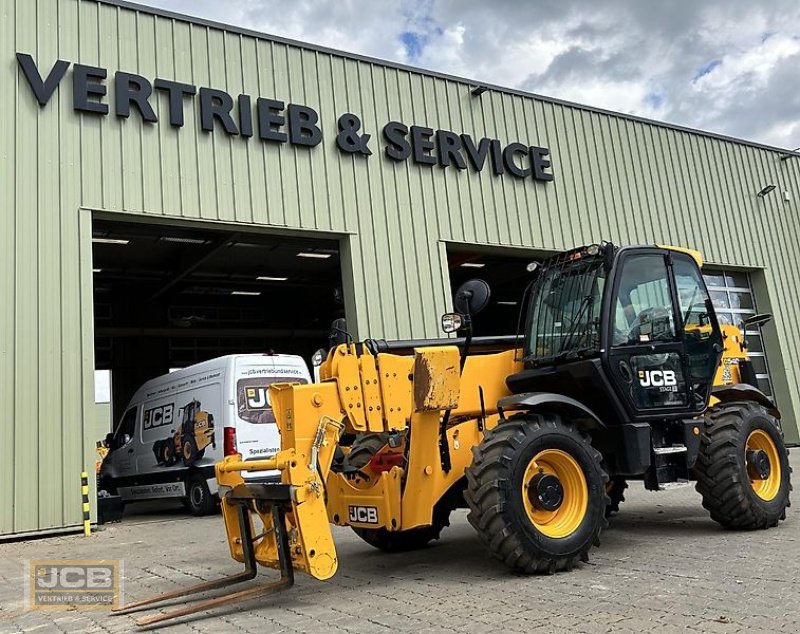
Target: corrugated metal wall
(615,178)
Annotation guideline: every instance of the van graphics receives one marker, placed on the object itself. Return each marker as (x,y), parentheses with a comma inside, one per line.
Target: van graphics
(363,514)
(165,490)
(158,416)
(252,394)
(188,443)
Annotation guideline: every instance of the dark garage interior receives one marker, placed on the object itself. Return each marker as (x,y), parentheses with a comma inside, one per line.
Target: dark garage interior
(506,275)
(167,296)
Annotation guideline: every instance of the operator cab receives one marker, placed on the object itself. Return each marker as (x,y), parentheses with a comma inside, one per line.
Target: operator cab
(629,332)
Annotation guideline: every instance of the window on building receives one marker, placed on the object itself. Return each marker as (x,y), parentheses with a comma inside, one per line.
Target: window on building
(732,295)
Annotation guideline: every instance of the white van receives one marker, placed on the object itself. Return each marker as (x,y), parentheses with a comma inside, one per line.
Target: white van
(177,426)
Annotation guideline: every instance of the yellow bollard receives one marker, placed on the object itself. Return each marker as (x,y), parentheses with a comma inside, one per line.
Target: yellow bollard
(87,528)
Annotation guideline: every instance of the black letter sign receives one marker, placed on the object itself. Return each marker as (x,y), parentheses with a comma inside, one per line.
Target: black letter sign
(397,146)
(133,89)
(85,84)
(42,89)
(176,91)
(216,104)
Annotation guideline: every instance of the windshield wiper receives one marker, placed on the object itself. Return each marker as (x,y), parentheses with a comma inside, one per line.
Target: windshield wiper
(585,303)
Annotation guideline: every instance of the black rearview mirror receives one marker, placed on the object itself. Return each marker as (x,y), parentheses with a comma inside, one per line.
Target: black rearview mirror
(757,320)
(472,297)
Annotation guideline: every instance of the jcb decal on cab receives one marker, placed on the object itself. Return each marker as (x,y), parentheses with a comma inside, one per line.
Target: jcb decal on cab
(657,378)
(364,514)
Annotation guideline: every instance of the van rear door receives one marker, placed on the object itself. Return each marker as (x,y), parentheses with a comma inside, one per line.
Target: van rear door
(257,433)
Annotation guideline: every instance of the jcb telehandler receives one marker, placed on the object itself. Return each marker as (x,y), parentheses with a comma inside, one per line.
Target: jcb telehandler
(623,373)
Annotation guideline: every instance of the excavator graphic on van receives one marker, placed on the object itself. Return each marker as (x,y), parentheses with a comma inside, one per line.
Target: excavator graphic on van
(190,441)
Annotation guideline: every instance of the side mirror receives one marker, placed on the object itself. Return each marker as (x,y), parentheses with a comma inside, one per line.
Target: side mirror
(472,297)
(339,334)
(452,322)
(319,357)
(757,320)
(107,441)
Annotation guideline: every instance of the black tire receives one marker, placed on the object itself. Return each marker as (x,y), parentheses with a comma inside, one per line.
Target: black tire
(198,500)
(495,493)
(189,446)
(412,539)
(363,448)
(721,468)
(615,489)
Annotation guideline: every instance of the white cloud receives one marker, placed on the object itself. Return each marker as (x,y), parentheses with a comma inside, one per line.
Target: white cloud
(731,66)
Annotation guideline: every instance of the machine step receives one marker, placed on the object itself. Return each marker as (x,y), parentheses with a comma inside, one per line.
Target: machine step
(660,451)
(679,484)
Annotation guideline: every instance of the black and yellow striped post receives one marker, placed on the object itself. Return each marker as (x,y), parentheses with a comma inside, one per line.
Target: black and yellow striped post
(87,528)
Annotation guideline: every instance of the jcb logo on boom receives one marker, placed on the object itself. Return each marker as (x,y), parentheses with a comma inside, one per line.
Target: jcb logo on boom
(657,378)
(364,514)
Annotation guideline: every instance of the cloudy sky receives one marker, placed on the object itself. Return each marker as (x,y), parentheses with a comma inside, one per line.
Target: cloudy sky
(729,66)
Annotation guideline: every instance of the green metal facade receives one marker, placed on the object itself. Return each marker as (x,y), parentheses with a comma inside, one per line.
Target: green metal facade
(616,178)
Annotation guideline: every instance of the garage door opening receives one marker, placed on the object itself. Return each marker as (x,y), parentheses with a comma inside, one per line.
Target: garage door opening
(169,296)
(507,276)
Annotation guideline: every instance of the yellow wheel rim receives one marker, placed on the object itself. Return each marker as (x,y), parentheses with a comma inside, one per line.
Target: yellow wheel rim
(566,519)
(759,440)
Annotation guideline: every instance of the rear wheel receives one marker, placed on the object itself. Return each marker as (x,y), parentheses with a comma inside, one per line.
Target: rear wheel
(198,500)
(363,448)
(743,470)
(536,493)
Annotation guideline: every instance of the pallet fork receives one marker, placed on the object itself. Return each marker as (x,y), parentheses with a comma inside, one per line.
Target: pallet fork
(296,535)
(242,502)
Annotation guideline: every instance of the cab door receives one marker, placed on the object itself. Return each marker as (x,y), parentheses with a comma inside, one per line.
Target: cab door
(662,333)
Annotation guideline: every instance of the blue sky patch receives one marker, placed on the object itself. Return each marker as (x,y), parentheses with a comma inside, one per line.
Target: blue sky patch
(707,68)
(414,44)
(654,99)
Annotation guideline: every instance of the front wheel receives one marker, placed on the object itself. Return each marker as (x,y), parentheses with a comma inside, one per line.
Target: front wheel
(536,493)
(743,470)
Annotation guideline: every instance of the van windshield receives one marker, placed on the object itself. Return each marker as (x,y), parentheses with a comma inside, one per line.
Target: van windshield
(252,395)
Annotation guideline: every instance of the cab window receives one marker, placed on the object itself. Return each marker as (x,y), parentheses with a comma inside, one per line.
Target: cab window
(125,429)
(643,304)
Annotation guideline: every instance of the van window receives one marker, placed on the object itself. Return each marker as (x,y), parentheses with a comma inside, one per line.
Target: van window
(253,398)
(126,427)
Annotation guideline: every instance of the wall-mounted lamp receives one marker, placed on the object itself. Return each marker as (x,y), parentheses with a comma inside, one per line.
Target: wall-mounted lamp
(790,154)
(477,91)
(766,190)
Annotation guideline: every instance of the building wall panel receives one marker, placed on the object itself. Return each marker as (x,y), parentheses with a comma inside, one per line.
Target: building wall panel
(616,178)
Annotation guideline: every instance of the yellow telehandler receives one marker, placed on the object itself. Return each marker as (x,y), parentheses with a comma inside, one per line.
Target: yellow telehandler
(622,372)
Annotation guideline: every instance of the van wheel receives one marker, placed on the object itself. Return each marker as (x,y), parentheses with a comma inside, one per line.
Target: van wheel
(198,500)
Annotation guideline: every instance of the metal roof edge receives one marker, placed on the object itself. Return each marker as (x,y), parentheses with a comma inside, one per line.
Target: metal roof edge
(172,15)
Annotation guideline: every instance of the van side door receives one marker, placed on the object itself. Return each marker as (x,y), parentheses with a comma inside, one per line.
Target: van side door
(123,444)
